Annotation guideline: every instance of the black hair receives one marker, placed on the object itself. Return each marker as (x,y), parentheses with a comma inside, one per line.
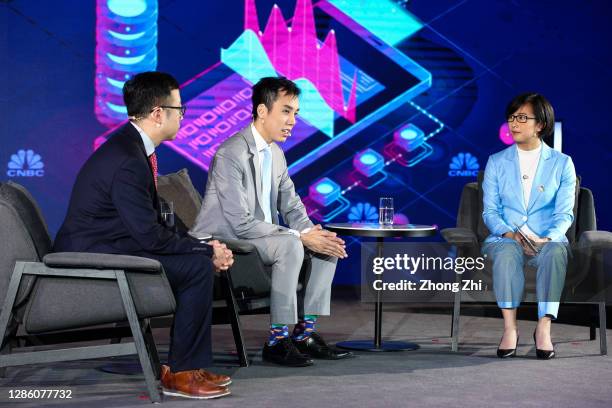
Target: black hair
(266,91)
(542,110)
(146,90)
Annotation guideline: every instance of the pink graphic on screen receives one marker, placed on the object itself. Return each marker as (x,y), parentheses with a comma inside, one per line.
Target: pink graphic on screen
(295,52)
(218,113)
(505,135)
(219,102)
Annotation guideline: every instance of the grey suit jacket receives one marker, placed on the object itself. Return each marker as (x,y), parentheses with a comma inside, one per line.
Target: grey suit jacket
(232,202)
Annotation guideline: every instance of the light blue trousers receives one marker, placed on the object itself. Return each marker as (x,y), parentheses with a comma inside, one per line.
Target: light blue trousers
(509,279)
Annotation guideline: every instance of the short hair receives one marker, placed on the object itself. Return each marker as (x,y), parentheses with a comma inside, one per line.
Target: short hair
(542,110)
(146,90)
(266,91)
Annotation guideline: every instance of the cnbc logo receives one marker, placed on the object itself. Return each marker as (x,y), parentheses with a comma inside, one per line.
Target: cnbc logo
(25,163)
(463,165)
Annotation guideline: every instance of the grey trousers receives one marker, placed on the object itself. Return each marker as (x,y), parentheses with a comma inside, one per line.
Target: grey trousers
(285,253)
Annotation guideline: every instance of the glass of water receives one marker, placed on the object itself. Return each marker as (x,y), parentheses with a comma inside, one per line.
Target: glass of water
(385,211)
(167,213)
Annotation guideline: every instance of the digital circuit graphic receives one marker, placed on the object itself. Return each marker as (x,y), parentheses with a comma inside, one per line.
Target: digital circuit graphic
(328,49)
(430,82)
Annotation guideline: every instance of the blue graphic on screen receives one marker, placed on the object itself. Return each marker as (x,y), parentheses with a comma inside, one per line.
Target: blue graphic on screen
(126,44)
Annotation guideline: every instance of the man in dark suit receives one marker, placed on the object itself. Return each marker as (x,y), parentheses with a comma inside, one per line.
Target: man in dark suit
(114,208)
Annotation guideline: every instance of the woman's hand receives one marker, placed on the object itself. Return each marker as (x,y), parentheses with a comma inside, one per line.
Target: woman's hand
(521,241)
(538,241)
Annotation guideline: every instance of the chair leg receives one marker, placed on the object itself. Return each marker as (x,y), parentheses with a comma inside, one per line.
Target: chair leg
(150,342)
(139,342)
(455,322)
(603,345)
(593,313)
(592,331)
(117,340)
(5,315)
(230,299)
(6,349)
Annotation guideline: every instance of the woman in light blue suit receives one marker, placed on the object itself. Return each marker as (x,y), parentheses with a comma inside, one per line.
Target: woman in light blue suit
(529,192)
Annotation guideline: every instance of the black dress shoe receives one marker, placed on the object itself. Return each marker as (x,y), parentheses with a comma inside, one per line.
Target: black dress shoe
(285,353)
(543,354)
(505,353)
(315,347)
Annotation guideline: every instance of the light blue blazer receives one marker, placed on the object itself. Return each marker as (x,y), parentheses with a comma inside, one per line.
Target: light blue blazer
(549,212)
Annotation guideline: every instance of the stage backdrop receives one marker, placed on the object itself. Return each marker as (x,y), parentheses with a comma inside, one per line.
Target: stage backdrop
(400,98)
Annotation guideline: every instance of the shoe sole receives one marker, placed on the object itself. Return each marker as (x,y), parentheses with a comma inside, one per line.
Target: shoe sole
(332,358)
(184,395)
(329,358)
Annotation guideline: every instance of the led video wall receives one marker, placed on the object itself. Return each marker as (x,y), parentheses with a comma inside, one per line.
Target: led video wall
(399,98)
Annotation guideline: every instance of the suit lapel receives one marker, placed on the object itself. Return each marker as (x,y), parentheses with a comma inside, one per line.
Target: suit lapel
(544,168)
(254,161)
(515,174)
(132,132)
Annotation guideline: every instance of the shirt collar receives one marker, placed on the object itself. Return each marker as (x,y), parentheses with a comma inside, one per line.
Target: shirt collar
(259,140)
(146,140)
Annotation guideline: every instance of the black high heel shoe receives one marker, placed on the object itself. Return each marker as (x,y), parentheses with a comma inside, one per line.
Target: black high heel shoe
(506,353)
(543,354)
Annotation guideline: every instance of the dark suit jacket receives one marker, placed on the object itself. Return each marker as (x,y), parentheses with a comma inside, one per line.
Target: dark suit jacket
(114,204)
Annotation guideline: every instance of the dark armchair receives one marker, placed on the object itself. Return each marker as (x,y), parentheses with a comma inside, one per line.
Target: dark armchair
(57,297)
(471,231)
(246,285)
(250,278)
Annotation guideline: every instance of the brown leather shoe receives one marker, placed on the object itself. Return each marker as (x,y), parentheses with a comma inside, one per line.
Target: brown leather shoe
(190,384)
(217,379)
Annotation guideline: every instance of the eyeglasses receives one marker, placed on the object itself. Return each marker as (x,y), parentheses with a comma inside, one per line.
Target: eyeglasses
(182,108)
(520,118)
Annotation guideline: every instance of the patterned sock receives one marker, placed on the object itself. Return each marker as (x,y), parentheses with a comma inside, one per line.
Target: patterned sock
(304,328)
(277,332)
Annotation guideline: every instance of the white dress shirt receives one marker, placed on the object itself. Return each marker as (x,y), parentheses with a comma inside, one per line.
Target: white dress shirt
(146,140)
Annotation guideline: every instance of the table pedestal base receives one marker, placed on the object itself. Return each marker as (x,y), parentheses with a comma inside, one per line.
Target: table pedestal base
(380,232)
(368,345)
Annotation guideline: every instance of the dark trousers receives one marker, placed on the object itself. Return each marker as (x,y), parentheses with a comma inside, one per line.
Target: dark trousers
(191,277)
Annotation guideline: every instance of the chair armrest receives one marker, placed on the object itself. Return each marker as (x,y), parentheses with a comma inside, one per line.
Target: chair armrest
(101,261)
(595,240)
(239,246)
(459,236)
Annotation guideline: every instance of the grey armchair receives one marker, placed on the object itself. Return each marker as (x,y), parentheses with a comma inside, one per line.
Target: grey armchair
(585,264)
(57,297)
(246,286)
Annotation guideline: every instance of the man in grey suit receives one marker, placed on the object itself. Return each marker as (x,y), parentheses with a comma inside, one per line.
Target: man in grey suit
(248,186)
